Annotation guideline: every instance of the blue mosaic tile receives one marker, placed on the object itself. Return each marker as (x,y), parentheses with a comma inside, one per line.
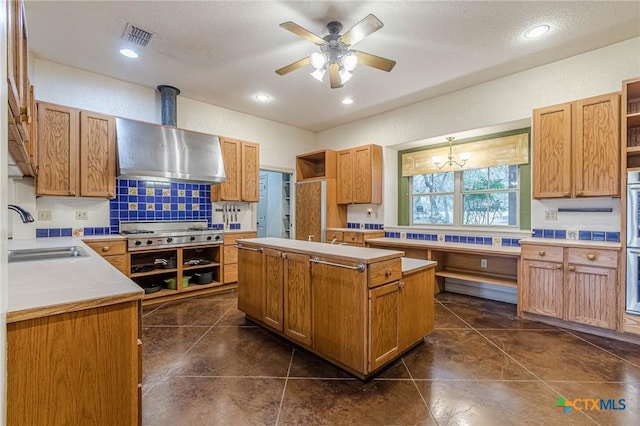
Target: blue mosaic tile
(488,240)
(506,242)
(66,232)
(612,236)
(463,238)
(547,233)
(597,236)
(89,231)
(559,233)
(584,235)
(515,242)
(54,232)
(537,233)
(42,232)
(447,238)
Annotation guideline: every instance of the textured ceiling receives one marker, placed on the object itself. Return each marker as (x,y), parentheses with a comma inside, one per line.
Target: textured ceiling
(224,52)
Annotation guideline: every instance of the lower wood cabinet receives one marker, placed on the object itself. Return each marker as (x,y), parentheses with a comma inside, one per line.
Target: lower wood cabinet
(230,257)
(76,368)
(570,283)
(297,298)
(114,252)
(383,326)
(250,293)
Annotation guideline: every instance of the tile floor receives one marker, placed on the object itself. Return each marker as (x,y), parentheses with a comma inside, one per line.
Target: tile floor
(204,364)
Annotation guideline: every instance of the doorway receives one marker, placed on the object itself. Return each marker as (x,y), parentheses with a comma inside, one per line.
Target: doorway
(274,205)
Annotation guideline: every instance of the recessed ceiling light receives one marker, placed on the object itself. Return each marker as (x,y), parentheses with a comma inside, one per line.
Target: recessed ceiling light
(347,101)
(537,31)
(262,97)
(128,53)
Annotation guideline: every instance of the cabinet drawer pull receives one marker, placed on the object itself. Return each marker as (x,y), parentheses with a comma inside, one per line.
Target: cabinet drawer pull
(260,249)
(105,248)
(558,266)
(401,284)
(572,268)
(388,272)
(591,256)
(541,253)
(360,267)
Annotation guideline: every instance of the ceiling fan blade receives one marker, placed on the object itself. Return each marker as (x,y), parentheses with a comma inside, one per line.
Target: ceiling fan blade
(369,25)
(302,32)
(334,76)
(374,61)
(294,66)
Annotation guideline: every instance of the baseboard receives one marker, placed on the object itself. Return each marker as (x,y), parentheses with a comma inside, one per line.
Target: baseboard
(483,290)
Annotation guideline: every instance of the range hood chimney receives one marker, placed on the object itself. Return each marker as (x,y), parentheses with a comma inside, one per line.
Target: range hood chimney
(165,152)
(168,103)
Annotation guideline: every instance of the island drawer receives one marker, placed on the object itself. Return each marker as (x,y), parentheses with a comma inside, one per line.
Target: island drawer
(384,272)
(108,248)
(593,257)
(540,252)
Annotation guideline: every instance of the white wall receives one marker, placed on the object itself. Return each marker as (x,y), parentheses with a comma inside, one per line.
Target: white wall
(502,103)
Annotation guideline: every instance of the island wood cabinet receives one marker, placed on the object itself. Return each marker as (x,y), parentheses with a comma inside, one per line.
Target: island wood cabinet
(359,175)
(242,168)
(577,284)
(576,148)
(76,368)
(357,315)
(113,251)
(76,152)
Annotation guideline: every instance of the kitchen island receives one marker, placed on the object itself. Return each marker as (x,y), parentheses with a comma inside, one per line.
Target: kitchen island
(359,308)
(73,336)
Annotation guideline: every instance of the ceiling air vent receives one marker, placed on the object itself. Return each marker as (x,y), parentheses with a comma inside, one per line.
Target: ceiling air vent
(136,35)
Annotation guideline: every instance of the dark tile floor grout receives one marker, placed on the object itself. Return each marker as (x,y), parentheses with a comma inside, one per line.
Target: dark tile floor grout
(204,363)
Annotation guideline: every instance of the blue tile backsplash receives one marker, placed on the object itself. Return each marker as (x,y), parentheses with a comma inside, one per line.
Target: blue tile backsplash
(466,239)
(356,225)
(613,237)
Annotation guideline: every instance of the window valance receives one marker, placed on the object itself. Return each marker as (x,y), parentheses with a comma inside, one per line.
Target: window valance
(501,151)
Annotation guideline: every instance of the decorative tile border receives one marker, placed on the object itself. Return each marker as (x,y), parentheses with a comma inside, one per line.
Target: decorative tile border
(68,232)
(465,239)
(581,234)
(356,225)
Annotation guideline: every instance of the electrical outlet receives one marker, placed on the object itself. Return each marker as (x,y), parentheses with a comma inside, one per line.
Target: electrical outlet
(483,263)
(551,215)
(82,215)
(44,215)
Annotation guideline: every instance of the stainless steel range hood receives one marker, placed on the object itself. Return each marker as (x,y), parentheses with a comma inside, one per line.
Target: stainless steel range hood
(165,152)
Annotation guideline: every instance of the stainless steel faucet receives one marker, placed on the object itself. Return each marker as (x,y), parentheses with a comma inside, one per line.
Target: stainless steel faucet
(24,215)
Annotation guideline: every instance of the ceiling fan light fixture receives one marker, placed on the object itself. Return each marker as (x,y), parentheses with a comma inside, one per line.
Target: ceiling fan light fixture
(318,74)
(318,60)
(345,75)
(349,61)
(347,101)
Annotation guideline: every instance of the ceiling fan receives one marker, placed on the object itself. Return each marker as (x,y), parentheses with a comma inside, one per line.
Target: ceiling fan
(335,53)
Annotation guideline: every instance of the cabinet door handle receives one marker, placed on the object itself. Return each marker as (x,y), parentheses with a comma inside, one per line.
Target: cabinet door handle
(572,268)
(558,266)
(541,253)
(105,248)
(591,256)
(401,284)
(388,272)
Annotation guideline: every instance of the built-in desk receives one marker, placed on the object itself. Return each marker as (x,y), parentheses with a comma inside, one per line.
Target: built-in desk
(475,269)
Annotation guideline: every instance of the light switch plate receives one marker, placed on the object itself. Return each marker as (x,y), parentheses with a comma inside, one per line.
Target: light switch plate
(551,215)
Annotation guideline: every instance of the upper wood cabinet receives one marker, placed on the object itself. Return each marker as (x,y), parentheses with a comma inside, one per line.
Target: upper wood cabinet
(576,148)
(242,167)
(316,165)
(20,106)
(359,173)
(76,152)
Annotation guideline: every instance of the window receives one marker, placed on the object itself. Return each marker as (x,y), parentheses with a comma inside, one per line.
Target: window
(474,197)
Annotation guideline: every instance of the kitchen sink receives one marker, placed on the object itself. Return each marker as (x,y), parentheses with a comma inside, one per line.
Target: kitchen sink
(25,255)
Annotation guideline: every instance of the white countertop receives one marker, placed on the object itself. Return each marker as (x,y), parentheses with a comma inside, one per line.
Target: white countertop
(410,265)
(446,245)
(571,243)
(362,254)
(45,287)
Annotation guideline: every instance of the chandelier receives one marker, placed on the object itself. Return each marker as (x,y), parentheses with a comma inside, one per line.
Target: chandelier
(437,160)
